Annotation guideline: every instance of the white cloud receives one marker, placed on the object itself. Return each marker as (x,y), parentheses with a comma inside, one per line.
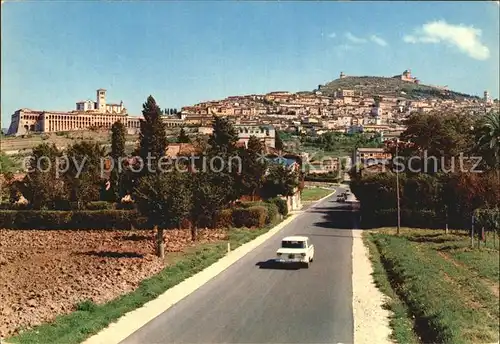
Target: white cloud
(354,39)
(378,40)
(332,35)
(345,47)
(465,38)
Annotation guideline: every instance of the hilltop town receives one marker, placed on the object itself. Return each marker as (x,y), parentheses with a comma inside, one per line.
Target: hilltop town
(348,104)
(344,131)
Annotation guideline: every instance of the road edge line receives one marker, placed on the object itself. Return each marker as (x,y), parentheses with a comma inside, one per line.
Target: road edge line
(134,320)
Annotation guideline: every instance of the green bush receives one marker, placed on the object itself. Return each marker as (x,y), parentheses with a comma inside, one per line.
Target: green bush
(250,217)
(100,205)
(272,209)
(125,206)
(281,204)
(258,216)
(487,218)
(409,218)
(88,219)
(249,204)
(325,178)
(12,206)
(224,219)
(272,212)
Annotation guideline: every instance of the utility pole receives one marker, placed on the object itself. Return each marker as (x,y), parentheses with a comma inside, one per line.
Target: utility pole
(397,190)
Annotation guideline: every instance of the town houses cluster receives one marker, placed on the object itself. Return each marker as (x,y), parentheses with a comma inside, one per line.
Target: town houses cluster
(344,110)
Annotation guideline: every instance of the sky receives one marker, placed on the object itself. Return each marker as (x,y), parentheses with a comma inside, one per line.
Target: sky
(55,53)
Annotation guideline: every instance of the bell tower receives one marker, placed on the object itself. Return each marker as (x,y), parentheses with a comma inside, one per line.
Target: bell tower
(101,100)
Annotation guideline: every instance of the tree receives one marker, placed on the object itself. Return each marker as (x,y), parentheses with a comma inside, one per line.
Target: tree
(253,167)
(278,143)
(487,137)
(118,133)
(222,154)
(207,199)
(183,138)
(42,186)
(443,136)
(280,181)
(83,176)
(223,139)
(153,137)
(6,163)
(165,200)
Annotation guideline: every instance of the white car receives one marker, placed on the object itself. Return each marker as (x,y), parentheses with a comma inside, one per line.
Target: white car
(296,249)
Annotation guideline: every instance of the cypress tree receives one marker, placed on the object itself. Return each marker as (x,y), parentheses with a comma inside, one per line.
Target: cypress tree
(153,137)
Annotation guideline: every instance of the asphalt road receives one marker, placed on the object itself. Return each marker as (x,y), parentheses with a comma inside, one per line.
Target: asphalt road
(258,301)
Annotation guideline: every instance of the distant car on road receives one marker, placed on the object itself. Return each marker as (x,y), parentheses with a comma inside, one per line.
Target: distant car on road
(296,249)
(341,198)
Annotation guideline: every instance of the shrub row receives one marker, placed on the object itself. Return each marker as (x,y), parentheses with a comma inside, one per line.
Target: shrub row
(280,204)
(249,215)
(272,209)
(325,178)
(101,215)
(95,219)
(409,218)
(66,206)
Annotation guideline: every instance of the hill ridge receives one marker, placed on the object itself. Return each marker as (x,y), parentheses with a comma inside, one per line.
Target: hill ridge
(390,86)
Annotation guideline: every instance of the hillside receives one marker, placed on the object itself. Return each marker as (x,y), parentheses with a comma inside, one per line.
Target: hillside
(372,86)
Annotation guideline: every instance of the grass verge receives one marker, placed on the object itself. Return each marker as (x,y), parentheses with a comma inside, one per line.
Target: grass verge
(401,321)
(448,300)
(90,318)
(314,194)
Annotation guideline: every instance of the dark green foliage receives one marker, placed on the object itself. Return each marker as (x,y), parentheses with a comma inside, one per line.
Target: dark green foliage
(153,137)
(253,167)
(125,206)
(118,133)
(164,198)
(426,200)
(278,142)
(436,135)
(487,140)
(330,177)
(99,205)
(42,186)
(224,219)
(272,209)
(12,206)
(117,187)
(489,219)
(272,212)
(223,139)
(86,306)
(87,219)
(83,179)
(281,204)
(409,218)
(6,164)
(183,138)
(222,150)
(279,181)
(250,217)
(207,198)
